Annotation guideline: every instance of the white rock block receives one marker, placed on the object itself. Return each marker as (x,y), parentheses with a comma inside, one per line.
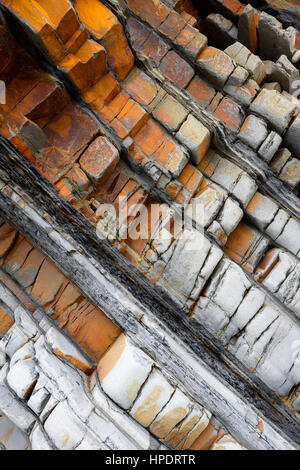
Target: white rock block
(122,371)
(22,377)
(64,428)
(64,348)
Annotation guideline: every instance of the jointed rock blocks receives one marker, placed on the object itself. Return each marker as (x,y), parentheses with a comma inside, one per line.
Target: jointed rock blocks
(156,113)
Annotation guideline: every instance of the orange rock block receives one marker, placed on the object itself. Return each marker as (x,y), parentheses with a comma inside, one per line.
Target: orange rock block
(230,113)
(48,283)
(6,321)
(87,325)
(44,101)
(130,120)
(87,66)
(71,130)
(17,255)
(190,178)
(240,244)
(7,238)
(26,275)
(140,87)
(105,28)
(153,11)
(99,160)
(201,91)
(103,92)
(9,54)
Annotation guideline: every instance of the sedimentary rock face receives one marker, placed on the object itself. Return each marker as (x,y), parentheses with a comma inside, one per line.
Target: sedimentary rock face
(149,230)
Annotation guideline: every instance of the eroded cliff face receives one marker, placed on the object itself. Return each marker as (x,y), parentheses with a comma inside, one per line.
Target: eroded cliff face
(127,339)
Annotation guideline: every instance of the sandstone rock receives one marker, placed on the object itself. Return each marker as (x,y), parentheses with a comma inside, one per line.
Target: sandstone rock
(140,87)
(106,28)
(215,65)
(261,210)
(247,33)
(201,91)
(126,424)
(229,112)
(13,340)
(246,59)
(277,225)
(270,146)
(207,204)
(275,41)
(38,440)
(291,138)
(174,412)
(195,136)
(154,395)
(99,160)
(62,426)
(280,159)
(38,400)
(197,430)
(206,438)
(245,189)
(187,259)
(115,364)
(253,131)
(246,245)
(230,216)
(227,443)
(13,409)
(237,78)
(155,48)
(176,69)
(11,437)
(290,173)
(217,232)
(179,435)
(191,41)
(153,13)
(170,113)
(67,351)
(108,433)
(273,107)
(22,377)
(251,304)
(285,73)
(231,290)
(172,25)
(289,238)
(65,382)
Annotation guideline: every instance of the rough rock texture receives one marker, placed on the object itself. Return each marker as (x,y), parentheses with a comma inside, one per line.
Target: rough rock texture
(113,337)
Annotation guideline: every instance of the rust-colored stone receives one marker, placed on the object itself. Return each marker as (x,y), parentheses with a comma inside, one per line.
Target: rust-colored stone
(99,160)
(230,113)
(105,27)
(47,284)
(141,87)
(17,255)
(28,272)
(153,11)
(6,321)
(8,236)
(201,91)
(172,25)
(176,69)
